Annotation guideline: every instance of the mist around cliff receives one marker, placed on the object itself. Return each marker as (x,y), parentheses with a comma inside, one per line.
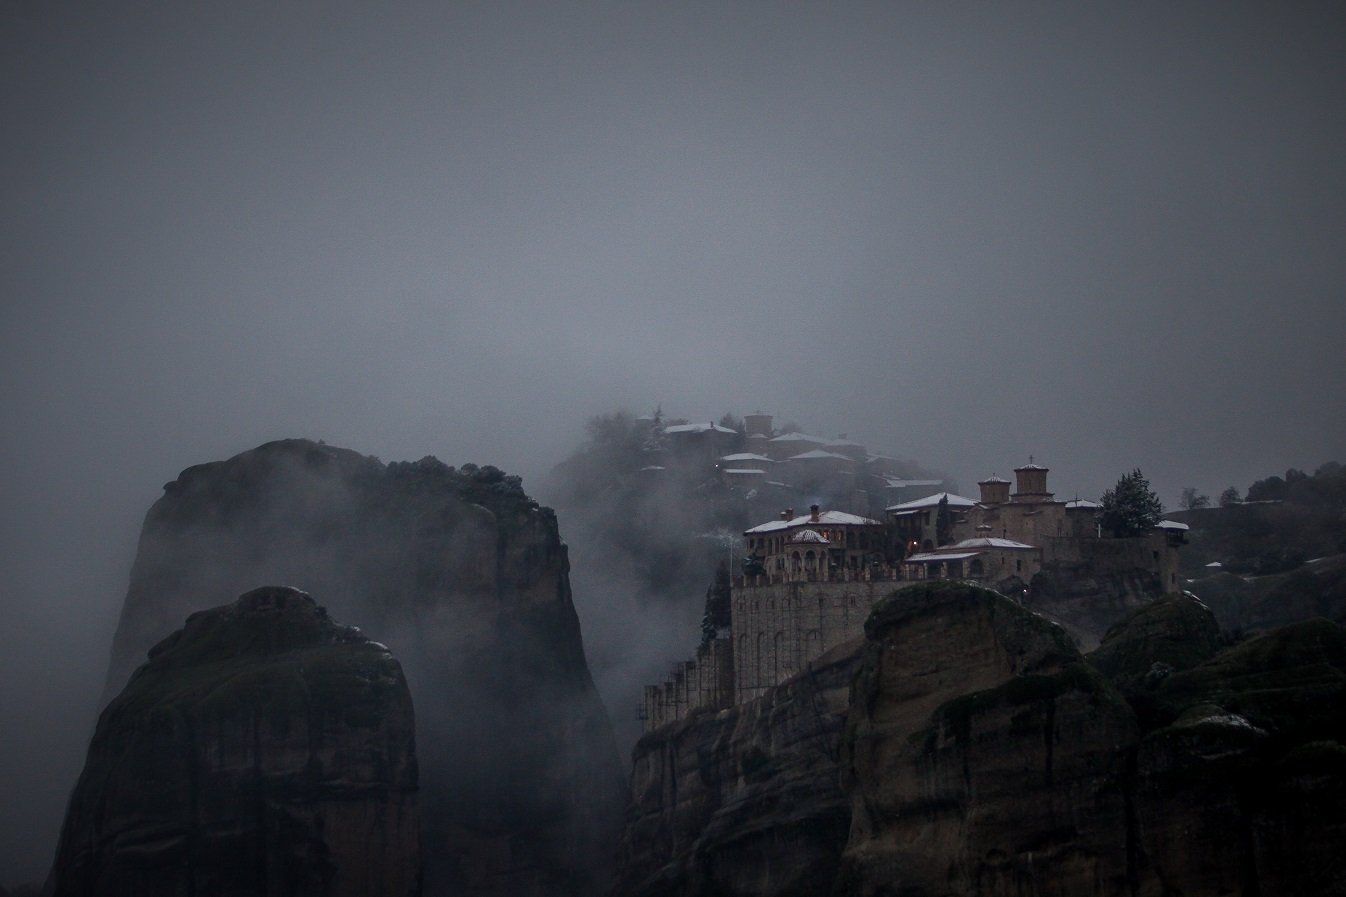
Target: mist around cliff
(1106,235)
(461,574)
(648,523)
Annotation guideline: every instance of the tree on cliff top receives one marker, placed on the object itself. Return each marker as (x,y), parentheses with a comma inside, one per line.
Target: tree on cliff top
(1131,508)
(716,616)
(1192,499)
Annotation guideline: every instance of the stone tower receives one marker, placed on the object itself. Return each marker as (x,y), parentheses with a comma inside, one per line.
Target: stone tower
(994,490)
(1031,480)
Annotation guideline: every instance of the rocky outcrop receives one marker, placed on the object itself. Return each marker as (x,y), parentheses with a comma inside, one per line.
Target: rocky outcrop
(1087,598)
(262,750)
(1175,633)
(746,801)
(984,757)
(982,754)
(467,578)
(1252,604)
(1241,788)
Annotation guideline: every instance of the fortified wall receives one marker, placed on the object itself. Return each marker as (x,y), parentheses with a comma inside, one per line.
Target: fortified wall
(707,681)
(780,624)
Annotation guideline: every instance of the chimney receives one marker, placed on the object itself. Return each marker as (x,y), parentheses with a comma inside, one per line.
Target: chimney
(789,514)
(813,513)
(785,515)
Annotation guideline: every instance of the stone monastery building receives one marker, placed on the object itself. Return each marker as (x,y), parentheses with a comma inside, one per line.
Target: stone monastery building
(809,581)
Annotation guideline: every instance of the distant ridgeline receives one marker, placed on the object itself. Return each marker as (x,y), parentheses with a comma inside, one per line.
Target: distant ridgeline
(809,581)
(1280,523)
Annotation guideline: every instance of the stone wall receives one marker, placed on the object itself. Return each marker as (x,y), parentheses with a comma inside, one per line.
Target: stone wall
(707,681)
(1155,552)
(744,802)
(780,626)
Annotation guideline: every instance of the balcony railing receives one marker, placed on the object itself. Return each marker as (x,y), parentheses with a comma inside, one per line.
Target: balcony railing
(871,573)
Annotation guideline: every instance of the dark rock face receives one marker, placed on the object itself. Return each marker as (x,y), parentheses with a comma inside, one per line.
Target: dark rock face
(1252,604)
(984,759)
(1175,633)
(262,750)
(1241,788)
(743,802)
(1087,599)
(467,579)
(982,755)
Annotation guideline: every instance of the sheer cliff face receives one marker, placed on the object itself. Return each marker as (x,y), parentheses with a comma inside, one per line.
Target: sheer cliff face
(466,578)
(982,754)
(984,757)
(979,754)
(743,802)
(261,750)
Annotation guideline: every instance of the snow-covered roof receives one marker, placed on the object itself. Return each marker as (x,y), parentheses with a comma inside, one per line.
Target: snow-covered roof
(843,441)
(932,501)
(899,483)
(993,479)
(698,428)
(652,467)
(1215,564)
(809,535)
(746,456)
(935,557)
(1082,503)
(991,542)
(1031,467)
(743,471)
(1171,524)
(831,518)
(818,455)
(799,437)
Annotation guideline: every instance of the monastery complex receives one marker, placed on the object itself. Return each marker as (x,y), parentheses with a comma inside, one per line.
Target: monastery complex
(808,580)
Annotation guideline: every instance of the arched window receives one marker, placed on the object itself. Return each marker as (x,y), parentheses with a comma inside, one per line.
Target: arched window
(795,562)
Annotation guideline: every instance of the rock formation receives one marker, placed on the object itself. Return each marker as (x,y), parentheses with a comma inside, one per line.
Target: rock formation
(980,754)
(1175,633)
(1089,597)
(467,579)
(1250,604)
(262,750)
(1241,783)
(745,801)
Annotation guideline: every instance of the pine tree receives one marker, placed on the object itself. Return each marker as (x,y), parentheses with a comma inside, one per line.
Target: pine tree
(717,612)
(1131,508)
(943,522)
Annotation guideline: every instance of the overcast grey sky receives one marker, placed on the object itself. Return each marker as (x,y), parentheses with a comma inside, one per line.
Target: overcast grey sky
(1108,234)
